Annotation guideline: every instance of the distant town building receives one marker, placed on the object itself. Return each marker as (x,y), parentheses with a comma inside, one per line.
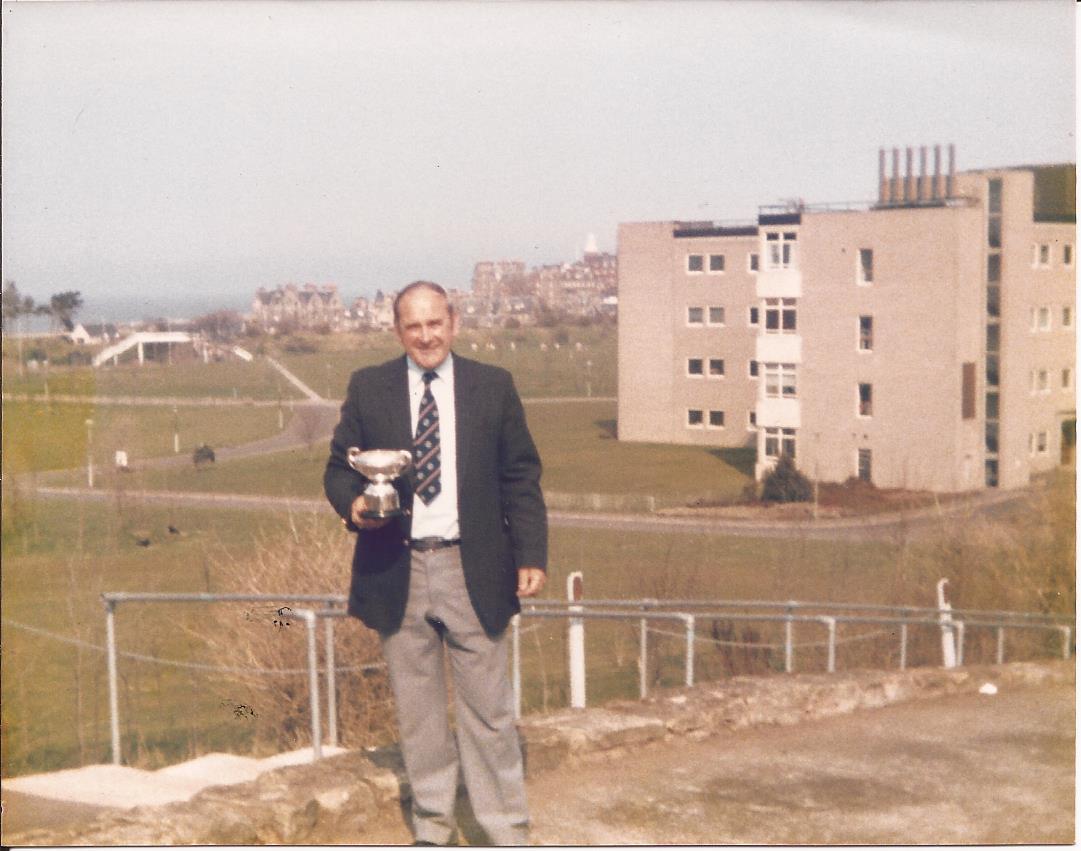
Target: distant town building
(584,288)
(922,341)
(92,334)
(310,306)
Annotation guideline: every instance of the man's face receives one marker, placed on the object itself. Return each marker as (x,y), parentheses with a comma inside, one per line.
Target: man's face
(426,327)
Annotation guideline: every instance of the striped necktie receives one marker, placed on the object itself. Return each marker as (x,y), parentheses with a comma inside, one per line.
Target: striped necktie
(426,445)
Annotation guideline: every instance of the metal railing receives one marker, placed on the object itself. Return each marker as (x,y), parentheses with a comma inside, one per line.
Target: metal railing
(789,613)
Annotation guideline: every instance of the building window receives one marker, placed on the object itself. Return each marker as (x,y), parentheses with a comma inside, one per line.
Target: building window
(1041,255)
(994,195)
(716,262)
(994,232)
(716,367)
(752,420)
(990,472)
(994,302)
(1043,316)
(1067,254)
(1041,443)
(781,250)
(866,407)
(992,370)
(863,465)
(694,417)
(991,406)
(780,380)
(780,440)
(752,262)
(752,316)
(695,263)
(752,368)
(695,315)
(968,391)
(990,436)
(1067,316)
(716,316)
(867,333)
(994,268)
(867,266)
(780,316)
(1067,378)
(1038,381)
(694,367)
(716,419)
(993,337)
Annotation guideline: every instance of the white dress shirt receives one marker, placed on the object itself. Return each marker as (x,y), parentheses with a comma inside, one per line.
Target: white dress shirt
(439,518)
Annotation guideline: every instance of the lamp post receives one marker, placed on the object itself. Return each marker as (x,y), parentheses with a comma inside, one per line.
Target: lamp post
(176,431)
(89,453)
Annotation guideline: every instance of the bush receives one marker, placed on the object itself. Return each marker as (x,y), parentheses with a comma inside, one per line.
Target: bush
(785,483)
(202,455)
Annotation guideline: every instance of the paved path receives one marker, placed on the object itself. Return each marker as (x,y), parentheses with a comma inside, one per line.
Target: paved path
(956,770)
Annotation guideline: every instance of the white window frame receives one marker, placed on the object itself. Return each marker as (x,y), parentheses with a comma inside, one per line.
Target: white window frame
(870,401)
(780,306)
(692,323)
(709,264)
(709,368)
(870,336)
(709,316)
(687,264)
(1043,314)
(701,368)
(690,412)
(1041,255)
(781,250)
(779,380)
(709,417)
(870,463)
(865,274)
(781,438)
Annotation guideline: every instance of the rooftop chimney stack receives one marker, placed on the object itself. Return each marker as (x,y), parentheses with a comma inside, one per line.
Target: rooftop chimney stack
(949,180)
(921,185)
(895,181)
(936,184)
(883,187)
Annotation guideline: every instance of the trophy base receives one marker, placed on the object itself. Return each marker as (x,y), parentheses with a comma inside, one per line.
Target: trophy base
(382,515)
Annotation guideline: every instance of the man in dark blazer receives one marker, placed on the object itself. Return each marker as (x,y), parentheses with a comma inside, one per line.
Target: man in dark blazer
(446,575)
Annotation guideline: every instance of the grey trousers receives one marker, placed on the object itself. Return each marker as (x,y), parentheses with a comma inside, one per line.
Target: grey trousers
(439,615)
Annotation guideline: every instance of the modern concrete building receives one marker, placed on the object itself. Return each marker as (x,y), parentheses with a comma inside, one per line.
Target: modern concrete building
(924,341)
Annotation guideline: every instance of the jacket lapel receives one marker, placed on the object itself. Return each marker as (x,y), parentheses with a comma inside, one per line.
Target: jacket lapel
(397,398)
(465,401)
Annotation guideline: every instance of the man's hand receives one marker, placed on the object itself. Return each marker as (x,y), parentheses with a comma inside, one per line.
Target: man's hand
(364,522)
(530,581)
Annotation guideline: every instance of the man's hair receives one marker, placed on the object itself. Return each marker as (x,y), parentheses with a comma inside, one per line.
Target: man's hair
(421,285)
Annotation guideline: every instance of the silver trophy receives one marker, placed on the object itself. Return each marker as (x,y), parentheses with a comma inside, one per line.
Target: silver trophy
(380,467)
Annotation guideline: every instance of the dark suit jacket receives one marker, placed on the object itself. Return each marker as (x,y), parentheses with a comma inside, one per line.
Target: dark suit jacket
(501,512)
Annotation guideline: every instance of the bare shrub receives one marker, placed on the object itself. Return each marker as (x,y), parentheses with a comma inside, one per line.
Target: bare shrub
(307,556)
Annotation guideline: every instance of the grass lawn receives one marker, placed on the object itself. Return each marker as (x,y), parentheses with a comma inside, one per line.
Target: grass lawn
(577,449)
(38,437)
(60,555)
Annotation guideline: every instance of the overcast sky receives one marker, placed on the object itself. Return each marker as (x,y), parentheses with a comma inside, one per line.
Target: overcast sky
(187,153)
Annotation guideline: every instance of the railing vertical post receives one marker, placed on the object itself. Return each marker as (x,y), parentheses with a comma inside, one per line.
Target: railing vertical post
(114,692)
(831,644)
(643,658)
(1066,633)
(688,676)
(332,686)
(516,664)
(959,631)
(1000,648)
(313,684)
(904,644)
(576,644)
(788,640)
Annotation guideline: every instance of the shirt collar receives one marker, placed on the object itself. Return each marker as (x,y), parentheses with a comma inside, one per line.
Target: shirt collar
(416,374)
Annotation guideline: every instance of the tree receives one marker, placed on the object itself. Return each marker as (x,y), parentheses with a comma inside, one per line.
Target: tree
(221,325)
(63,306)
(785,483)
(15,305)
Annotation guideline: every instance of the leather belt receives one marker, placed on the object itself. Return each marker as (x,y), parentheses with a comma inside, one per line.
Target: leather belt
(424,545)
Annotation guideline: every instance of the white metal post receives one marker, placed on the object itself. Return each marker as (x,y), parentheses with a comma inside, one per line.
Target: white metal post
(1066,632)
(831,644)
(516,664)
(959,632)
(1000,648)
(788,641)
(949,649)
(313,684)
(114,694)
(576,644)
(688,677)
(332,685)
(904,645)
(643,658)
